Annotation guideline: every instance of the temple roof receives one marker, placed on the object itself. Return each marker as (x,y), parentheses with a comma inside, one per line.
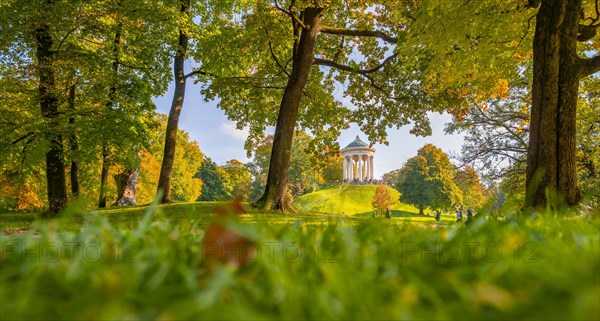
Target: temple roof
(357,143)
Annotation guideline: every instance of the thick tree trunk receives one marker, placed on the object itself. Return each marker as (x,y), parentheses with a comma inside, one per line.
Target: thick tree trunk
(126,187)
(55,169)
(421,210)
(166,169)
(551,158)
(75,189)
(274,196)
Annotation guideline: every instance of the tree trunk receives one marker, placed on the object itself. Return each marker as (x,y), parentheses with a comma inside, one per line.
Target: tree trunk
(421,210)
(126,187)
(166,169)
(112,96)
(551,157)
(75,189)
(274,196)
(55,169)
(103,177)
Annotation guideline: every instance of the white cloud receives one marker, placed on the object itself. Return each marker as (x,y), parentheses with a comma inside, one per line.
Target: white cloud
(230,130)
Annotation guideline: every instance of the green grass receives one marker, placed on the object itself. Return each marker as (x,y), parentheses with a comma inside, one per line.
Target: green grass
(348,200)
(153,266)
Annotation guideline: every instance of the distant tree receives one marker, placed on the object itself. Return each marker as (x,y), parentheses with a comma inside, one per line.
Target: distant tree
(391,178)
(588,136)
(186,186)
(472,190)
(238,179)
(427,180)
(308,169)
(330,167)
(496,133)
(382,200)
(414,186)
(213,188)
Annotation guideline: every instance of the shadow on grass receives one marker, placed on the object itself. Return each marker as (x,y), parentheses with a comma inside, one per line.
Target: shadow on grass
(398,213)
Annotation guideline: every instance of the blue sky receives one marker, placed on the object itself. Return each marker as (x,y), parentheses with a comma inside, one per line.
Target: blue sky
(220,140)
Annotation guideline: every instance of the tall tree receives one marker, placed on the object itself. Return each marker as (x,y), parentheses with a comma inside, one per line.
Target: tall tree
(557,72)
(110,105)
(75,187)
(82,36)
(181,52)
(299,51)
(489,42)
(55,169)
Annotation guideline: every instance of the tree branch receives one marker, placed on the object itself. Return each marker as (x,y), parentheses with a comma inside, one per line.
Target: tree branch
(132,67)
(589,66)
(585,33)
(22,137)
(275,57)
(333,64)
(198,72)
(359,33)
(291,14)
(524,35)
(534,3)
(363,72)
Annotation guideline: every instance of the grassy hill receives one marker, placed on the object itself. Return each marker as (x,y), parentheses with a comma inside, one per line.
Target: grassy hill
(347,199)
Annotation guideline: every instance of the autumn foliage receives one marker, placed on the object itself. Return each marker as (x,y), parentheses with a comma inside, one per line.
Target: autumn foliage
(382,200)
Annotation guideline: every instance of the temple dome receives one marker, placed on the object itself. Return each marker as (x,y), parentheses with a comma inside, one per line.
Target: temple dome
(357,143)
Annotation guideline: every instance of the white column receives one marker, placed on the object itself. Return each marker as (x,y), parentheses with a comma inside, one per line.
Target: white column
(362,168)
(372,166)
(369,167)
(366,168)
(359,168)
(345,168)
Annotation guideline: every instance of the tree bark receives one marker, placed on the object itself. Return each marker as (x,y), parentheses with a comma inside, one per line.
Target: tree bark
(112,96)
(55,169)
(75,189)
(166,169)
(103,177)
(274,196)
(126,187)
(551,156)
